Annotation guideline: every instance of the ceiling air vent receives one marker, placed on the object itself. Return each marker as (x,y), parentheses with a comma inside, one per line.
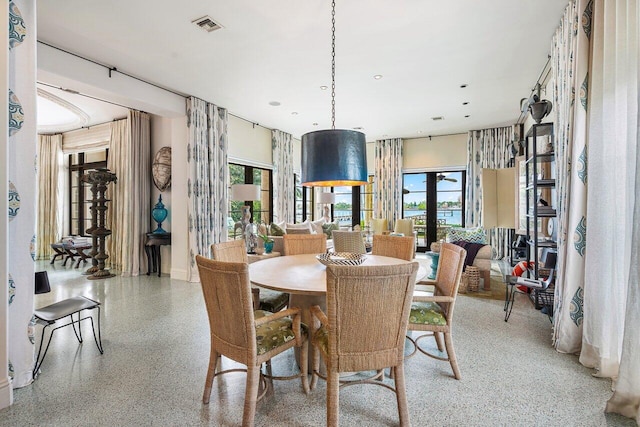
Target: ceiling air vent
(437,118)
(207,24)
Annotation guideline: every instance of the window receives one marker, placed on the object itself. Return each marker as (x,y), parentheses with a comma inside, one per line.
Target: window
(303,201)
(80,192)
(366,203)
(261,210)
(354,205)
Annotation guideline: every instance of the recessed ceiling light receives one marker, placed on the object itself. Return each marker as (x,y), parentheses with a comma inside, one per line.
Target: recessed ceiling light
(377,76)
(294,113)
(419,131)
(315,123)
(463,85)
(465,103)
(324,87)
(358,128)
(274,103)
(467,116)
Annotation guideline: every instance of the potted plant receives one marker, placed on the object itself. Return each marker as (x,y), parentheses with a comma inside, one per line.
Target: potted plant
(268,243)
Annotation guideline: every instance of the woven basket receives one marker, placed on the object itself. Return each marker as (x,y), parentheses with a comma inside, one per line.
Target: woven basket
(473,278)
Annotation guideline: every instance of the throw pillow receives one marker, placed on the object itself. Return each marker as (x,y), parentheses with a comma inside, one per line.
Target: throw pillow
(473,235)
(302,225)
(275,230)
(316,226)
(328,228)
(298,230)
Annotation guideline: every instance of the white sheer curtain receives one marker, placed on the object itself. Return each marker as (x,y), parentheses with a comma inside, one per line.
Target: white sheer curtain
(129,210)
(612,196)
(387,203)
(207,179)
(49,220)
(283,185)
(487,148)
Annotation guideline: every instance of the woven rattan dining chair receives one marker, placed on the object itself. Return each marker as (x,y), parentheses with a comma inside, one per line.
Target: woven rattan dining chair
(263,299)
(298,244)
(348,241)
(364,329)
(402,247)
(242,335)
(434,313)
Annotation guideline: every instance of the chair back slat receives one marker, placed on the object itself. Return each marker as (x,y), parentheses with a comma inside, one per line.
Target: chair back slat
(348,241)
(231,251)
(368,310)
(227,296)
(393,246)
(298,244)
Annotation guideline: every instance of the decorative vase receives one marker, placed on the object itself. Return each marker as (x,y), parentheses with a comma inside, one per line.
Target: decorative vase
(268,247)
(159,214)
(540,109)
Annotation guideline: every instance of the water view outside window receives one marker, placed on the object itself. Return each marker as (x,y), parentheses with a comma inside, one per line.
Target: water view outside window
(262,212)
(343,206)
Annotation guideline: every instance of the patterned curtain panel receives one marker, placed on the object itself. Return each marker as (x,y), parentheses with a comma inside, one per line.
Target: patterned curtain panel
(22,188)
(487,148)
(49,221)
(130,207)
(387,203)
(207,179)
(570,63)
(283,188)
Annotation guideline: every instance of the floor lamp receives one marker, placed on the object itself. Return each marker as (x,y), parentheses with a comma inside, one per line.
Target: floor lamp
(247,193)
(326,199)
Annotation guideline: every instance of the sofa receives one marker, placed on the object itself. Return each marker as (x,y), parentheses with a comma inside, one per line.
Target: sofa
(276,231)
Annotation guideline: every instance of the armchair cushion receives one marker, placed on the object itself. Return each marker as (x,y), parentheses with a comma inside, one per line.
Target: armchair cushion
(275,230)
(427,313)
(328,228)
(275,333)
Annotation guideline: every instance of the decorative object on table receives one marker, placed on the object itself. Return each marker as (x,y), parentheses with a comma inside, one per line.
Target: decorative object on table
(99,179)
(326,199)
(340,258)
(161,169)
(268,243)
(245,193)
(159,214)
(435,258)
(251,238)
(334,157)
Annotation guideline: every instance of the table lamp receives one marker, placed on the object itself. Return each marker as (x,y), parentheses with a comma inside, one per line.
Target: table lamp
(247,193)
(326,199)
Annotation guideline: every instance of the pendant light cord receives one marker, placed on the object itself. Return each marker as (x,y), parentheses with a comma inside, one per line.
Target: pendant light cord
(333,64)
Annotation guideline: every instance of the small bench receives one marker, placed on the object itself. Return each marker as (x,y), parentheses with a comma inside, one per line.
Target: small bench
(71,251)
(49,315)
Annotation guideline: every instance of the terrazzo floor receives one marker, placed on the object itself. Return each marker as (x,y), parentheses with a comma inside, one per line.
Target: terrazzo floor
(155,336)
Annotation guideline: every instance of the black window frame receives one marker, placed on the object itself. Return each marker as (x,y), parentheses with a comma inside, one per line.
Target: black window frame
(84,192)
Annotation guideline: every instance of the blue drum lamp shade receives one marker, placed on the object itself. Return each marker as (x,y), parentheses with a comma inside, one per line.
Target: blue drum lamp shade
(333,158)
(159,214)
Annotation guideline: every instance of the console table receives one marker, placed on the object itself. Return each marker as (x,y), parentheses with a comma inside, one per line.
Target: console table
(152,248)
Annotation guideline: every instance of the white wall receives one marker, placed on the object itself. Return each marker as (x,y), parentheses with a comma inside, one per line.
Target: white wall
(439,152)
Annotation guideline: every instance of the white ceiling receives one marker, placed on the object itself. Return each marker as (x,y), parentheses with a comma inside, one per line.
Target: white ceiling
(280,51)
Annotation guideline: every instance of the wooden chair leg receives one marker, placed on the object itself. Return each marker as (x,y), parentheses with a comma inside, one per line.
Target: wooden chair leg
(251,396)
(315,367)
(304,366)
(333,399)
(401,395)
(438,338)
(486,278)
(452,354)
(211,372)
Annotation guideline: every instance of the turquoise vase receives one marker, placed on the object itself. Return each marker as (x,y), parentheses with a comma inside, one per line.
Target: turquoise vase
(268,247)
(159,214)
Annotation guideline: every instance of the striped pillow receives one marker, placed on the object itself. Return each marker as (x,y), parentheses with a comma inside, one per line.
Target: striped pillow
(474,235)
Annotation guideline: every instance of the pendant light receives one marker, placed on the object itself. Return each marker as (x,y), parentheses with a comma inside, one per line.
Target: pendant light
(334,157)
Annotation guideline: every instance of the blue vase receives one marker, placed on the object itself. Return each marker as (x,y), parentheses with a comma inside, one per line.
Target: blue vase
(159,214)
(268,247)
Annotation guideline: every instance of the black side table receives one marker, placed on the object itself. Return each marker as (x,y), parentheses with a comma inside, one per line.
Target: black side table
(152,249)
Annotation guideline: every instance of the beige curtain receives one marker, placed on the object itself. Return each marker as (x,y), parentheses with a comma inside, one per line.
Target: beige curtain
(388,180)
(129,211)
(49,220)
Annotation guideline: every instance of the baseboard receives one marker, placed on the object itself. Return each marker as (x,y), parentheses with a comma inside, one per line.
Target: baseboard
(6,393)
(179,274)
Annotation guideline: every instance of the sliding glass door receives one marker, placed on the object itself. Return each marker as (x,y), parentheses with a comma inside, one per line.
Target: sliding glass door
(435,200)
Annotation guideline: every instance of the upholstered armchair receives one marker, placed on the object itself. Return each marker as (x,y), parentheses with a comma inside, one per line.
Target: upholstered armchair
(379,225)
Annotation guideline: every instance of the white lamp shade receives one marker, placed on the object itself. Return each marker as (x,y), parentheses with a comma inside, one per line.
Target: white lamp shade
(328,198)
(245,192)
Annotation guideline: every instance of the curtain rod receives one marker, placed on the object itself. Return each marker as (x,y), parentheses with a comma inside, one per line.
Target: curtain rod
(538,84)
(113,69)
(249,121)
